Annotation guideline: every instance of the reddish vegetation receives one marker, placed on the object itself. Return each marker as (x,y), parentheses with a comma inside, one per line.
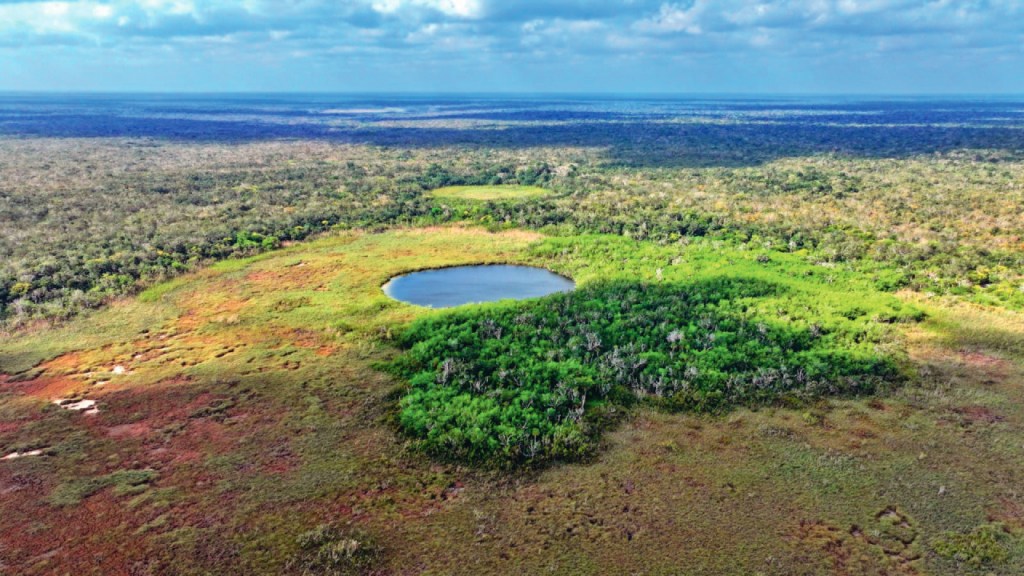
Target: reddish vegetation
(71,533)
(1009,512)
(56,380)
(201,313)
(979,414)
(48,388)
(305,339)
(856,552)
(992,366)
(290,277)
(162,428)
(129,430)
(819,536)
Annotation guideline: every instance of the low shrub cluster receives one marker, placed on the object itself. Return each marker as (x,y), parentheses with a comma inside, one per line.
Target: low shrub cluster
(521,383)
(986,544)
(329,550)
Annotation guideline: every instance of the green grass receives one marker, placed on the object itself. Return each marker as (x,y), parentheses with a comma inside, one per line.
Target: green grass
(26,349)
(489,192)
(124,482)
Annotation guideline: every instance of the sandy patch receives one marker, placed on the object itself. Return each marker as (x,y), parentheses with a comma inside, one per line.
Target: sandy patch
(83,406)
(15,455)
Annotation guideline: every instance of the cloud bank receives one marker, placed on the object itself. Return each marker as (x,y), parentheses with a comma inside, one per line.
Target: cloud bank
(531,45)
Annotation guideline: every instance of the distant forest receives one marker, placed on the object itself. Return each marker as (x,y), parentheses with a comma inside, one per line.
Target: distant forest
(928,198)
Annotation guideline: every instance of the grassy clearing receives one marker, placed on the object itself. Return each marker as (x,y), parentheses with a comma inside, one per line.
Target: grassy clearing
(249,413)
(489,192)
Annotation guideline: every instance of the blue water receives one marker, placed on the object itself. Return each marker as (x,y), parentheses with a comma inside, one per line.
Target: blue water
(448,287)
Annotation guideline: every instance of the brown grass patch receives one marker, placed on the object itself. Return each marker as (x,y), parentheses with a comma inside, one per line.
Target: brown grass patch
(303,275)
(50,388)
(137,430)
(224,312)
(471,231)
(977,414)
(1009,511)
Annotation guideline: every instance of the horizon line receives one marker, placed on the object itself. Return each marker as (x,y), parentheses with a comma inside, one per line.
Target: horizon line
(4,91)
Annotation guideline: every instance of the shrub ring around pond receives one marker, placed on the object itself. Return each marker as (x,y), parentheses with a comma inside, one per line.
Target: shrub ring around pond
(474,284)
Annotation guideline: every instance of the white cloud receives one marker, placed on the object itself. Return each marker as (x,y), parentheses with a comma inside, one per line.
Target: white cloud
(578,28)
(42,17)
(457,8)
(675,18)
(103,11)
(172,7)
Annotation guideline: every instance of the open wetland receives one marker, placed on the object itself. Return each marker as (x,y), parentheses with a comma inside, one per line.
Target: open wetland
(254,404)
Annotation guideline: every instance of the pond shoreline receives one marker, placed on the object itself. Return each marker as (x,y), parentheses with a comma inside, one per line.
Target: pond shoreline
(469,284)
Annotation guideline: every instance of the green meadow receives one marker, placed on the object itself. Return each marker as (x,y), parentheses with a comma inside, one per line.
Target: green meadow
(499,192)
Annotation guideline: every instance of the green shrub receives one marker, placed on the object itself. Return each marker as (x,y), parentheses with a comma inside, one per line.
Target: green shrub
(124,482)
(521,383)
(986,544)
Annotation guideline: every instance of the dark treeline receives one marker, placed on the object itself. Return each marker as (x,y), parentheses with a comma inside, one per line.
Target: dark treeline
(647,132)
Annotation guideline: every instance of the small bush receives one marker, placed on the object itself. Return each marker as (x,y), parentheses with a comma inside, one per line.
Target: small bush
(124,482)
(328,550)
(986,544)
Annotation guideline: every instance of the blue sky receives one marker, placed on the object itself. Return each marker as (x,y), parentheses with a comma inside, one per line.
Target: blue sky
(732,46)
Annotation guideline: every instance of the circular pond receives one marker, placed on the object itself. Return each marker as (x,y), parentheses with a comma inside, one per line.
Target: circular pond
(446,287)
